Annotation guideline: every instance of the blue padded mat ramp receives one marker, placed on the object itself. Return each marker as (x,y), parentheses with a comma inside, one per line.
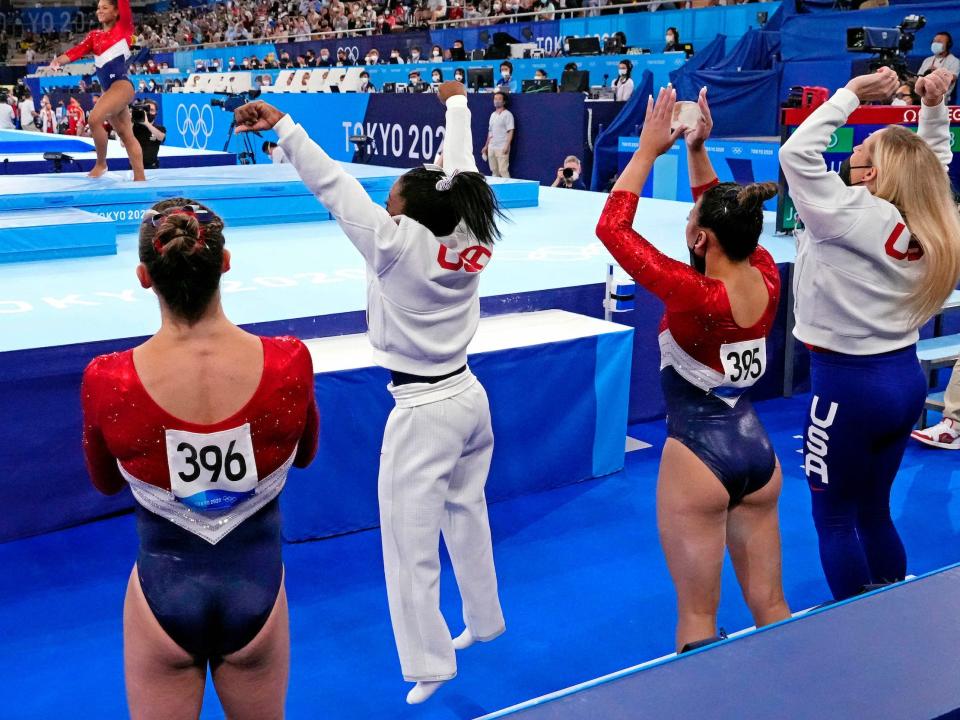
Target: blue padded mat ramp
(889,655)
(18,141)
(52,234)
(242,194)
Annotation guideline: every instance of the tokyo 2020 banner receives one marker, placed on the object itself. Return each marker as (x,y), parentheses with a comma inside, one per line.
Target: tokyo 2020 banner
(404,130)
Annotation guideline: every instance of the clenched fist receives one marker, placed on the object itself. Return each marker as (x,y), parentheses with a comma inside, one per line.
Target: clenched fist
(449,89)
(256,116)
(934,86)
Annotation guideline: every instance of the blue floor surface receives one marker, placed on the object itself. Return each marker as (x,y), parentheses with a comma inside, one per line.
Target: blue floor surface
(584,587)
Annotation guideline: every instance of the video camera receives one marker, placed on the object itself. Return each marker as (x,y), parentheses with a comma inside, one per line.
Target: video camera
(232,101)
(138,111)
(891,44)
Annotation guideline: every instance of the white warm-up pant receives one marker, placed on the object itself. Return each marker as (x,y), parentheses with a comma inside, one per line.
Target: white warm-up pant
(433,468)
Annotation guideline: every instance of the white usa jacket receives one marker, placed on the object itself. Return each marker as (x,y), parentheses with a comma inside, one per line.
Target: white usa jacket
(855,267)
(423,302)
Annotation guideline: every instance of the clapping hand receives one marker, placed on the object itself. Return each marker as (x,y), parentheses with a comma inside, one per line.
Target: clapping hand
(656,138)
(931,88)
(880,85)
(699,134)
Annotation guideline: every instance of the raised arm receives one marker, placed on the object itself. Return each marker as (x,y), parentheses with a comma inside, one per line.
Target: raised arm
(125,18)
(674,282)
(934,123)
(458,139)
(75,53)
(367,224)
(817,192)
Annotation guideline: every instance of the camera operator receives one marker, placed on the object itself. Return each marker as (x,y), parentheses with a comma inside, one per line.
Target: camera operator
(569,175)
(149,136)
(941,58)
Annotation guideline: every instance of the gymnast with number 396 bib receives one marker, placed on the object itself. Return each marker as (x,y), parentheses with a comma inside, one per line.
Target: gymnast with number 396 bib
(424,254)
(203,422)
(719,477)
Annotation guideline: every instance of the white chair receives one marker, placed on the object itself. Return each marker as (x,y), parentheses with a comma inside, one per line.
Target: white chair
(351,81)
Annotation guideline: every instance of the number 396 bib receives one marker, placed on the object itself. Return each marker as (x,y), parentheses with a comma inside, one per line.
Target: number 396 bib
(211,471)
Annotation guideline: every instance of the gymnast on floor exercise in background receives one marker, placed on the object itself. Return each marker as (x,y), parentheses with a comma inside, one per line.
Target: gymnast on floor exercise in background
(424,254)
(203,422)
(719,477)
(111,49)
(879,254)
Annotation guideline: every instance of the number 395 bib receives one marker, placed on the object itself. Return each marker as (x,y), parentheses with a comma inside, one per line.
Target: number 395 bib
(211,471)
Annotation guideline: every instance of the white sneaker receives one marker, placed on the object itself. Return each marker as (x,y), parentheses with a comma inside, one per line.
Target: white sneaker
(945,434)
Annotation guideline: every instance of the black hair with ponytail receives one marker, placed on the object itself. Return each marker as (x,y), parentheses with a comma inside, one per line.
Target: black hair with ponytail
(735,215)
(183,257)
(469,199)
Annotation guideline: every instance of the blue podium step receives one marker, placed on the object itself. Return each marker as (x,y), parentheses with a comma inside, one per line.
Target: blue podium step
(50,234)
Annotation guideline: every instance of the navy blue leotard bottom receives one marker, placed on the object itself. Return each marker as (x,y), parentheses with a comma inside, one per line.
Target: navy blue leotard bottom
(212,600)
(728,440)
(857,428)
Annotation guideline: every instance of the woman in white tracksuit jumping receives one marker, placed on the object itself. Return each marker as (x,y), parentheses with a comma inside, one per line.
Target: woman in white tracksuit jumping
(424,255)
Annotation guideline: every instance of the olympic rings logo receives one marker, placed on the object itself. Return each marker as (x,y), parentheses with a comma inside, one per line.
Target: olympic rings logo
(195,125)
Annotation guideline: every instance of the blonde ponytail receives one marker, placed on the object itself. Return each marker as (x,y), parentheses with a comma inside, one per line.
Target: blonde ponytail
(920,189)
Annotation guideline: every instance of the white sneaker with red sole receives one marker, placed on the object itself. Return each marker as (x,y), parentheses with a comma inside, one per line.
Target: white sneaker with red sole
(945,435)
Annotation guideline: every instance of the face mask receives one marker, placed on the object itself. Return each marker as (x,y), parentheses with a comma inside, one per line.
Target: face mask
(698,263)
(436,79)
(623,72)
(898,102)
(436,54)
(936,48)
(844,173)
(415,55)
(498,103)
(505,75)
(669,39)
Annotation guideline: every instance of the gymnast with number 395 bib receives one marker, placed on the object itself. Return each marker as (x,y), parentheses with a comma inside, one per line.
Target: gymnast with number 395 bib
(424,253)
(202,421)
(719,477)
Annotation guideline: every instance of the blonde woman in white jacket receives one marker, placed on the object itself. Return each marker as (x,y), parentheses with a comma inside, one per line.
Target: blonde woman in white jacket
(879,254)
(424,253)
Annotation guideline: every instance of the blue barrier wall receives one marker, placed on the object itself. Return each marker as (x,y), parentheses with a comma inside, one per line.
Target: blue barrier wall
(407,130)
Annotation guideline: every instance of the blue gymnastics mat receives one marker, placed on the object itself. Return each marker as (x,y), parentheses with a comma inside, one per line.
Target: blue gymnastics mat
(18,141)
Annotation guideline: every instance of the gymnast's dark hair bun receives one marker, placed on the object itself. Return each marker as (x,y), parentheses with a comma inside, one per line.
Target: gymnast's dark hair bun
(183,256)
(735,214)
(752,197)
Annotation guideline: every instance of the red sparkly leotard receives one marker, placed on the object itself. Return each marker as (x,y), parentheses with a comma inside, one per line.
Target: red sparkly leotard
(206,478)
(698,335)
(110,48)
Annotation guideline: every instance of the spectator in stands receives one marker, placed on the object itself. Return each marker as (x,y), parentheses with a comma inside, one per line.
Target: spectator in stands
(413,78)
(436,77)
(941,58)
(569,176)
(496,151)
(28,113)
(546,10)
(623,84)
(460,76)
(540,74)
(343,59)
(395,58)
(372,58)
(142,86)
(148,134)
(415,55)
(673,40)
(324,60)
(438,9)
(48,119)
(507,84)
(905,95)
(458,51)
(365,85)
(8,115)
(455,11)
(571,67)
(436,55)
(152,86)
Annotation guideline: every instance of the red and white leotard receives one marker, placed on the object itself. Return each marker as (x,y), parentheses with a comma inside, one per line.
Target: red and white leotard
(698,336)
(110,48)
(205,478)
